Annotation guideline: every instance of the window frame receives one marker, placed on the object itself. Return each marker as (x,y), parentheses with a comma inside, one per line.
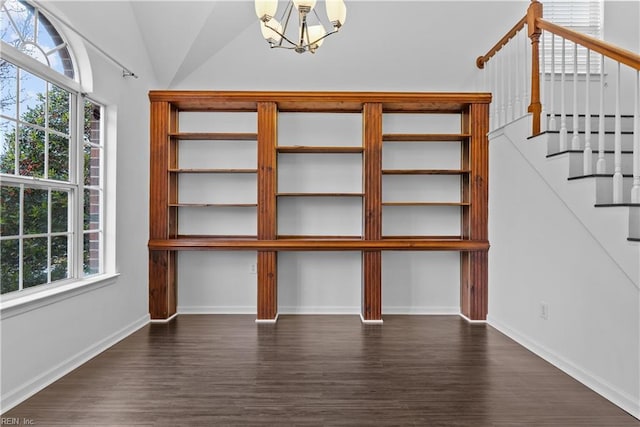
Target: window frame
(15,302)
(595,64)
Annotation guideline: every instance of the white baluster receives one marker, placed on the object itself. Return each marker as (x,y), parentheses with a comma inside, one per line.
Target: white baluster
(517,105)
(601,165)
(543,96)
(575,140)
(635,190)
(552,84)
(617,154)
(503,109)
(526,100)
(563,115)
(509,79)
(588,160)
(496,100)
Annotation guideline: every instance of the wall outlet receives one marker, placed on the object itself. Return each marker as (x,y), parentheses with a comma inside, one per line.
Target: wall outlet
(253,269)
(544,310)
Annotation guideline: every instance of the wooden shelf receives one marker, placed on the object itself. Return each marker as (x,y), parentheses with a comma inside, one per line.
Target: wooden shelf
(218,236)
(297,149)
(423,137)
(425,204)
(213,170)
(215,205)
(425,171)
(416,237)
(316,244)
(316,237)
(214,136)
(319,194)
(166,184)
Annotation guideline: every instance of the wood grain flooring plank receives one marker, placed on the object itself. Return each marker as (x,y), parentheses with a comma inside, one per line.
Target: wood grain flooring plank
(209,370)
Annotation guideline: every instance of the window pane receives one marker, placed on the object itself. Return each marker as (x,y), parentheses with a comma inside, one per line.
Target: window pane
(9,210)
(32,98)
(31,152)
(92,165)
(35,262)
(92,253)
(9,265)
(59,211)
(59,258)
(22,16)
(8,95)
(58,157)
(35,211)
(91,209)
(7,146)
(92,114)
(8,33)
(59,109)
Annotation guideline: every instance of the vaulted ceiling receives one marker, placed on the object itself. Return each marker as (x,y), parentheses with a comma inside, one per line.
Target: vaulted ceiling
(181,35)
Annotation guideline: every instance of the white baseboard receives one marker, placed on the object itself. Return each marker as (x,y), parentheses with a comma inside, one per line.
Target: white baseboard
(22,393)
(217,309)
(325,309)
(167,320)
(370,322)
(268,321)
(425,310)
(481,322)
(625,401)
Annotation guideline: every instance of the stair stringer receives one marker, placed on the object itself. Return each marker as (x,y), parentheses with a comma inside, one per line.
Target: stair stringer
(608,226)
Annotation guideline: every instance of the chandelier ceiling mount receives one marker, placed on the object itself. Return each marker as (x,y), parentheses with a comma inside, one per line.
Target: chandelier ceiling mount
(310,33)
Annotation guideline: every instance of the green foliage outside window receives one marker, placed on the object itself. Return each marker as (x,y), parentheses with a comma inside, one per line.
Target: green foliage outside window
(39,147)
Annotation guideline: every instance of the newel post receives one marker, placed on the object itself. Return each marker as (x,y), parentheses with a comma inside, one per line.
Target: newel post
(534,12)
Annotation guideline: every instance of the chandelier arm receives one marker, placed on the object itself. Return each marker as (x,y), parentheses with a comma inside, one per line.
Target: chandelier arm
(304,29)
(323,37)
(280,34)
(287,12)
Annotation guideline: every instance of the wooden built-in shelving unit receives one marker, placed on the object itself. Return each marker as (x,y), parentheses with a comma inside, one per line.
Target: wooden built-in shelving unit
(470,202)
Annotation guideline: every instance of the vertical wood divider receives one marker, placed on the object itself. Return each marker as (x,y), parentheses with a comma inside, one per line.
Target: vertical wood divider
(267,224)
(163,222)
(474,265)
(372,204)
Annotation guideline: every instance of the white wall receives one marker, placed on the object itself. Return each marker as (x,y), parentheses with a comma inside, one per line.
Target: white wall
(423,52)
(385,46)
(41,344)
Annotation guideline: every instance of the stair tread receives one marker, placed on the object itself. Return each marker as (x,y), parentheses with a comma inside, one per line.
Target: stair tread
(595,152)
(599,175)
(593,115)
(593,132)
(613,205)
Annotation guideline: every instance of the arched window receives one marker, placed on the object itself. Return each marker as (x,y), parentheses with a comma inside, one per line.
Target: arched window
(51,159)
(25,28)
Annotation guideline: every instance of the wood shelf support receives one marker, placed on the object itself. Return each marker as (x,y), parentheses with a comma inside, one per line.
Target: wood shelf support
(267,220)
(475,190)
(372,260)
(163,224)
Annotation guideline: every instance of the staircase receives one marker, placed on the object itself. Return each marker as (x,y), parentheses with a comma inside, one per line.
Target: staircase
(589,197)
(603,181)
(564,238)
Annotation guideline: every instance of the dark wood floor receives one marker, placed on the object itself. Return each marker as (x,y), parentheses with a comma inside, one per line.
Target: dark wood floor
(319,370)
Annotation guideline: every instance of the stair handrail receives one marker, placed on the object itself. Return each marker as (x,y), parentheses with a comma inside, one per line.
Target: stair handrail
(535,25)
(483,59)
(609,50)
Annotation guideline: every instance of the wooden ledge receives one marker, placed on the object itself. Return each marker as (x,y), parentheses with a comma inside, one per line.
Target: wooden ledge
(345,102)
(318,244)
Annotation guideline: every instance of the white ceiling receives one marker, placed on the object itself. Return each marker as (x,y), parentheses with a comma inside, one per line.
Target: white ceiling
(181,35)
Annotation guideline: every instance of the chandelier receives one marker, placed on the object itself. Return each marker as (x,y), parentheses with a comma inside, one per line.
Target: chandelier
(310,33)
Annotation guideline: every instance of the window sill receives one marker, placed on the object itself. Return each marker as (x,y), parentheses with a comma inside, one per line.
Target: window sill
(14,306)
